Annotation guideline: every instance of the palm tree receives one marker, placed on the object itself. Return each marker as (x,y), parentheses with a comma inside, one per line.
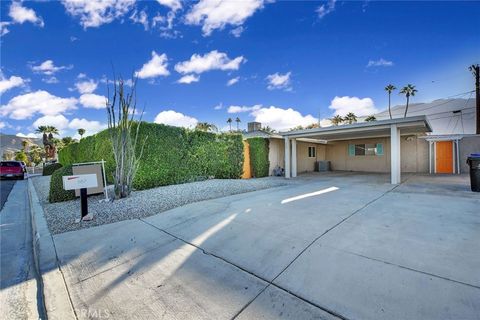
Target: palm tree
(371,118)
(24,145)
(409,90)
(237,120)
(336,120)
(350,118)
(205,126)
(67,141)
(268,129)
(229,121)
(81,132)
(389,89)
(48,140)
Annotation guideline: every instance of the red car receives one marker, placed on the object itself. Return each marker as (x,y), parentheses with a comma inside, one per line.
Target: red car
(13,169)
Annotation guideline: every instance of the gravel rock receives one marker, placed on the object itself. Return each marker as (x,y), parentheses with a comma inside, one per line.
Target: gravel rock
(61,216)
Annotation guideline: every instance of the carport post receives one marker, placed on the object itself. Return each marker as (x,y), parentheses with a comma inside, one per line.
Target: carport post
(395,154)
(294,158)
(287,158)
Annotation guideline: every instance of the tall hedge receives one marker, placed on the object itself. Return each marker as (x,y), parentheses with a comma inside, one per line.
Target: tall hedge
(259,163)
(57,193)
(171,155)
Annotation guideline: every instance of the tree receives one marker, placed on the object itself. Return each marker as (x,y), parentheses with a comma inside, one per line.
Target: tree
(36,154)
(267,129)
(81,132)
(337,120)
(48,140)
(409,91)
(237,120)
(8,155)
(370,118)
(205,126)
(313,126)
(350,118)
(25,145)
(299,127)
(21,156)
(124,132)
(390,88)
(229,121)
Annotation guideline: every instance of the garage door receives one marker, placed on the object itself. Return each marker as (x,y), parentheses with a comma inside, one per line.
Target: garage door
(444,157)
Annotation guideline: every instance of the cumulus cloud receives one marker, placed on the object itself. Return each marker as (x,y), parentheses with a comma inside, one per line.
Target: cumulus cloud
(282,119)
(279,81)
(157,66)
(50,80)
(325,9)
(94,101)
(232,81)
(48,68)
(12,82)
(67,127)
(172,4)
(189,78)
(213,60)
(239,109)
(94,13)
(90,126)
(20,14)
(29,135)
(379,63)
(140,18)
(237,32)
(346,104)
(216,14)
(218,106)
(58,121)
(27,105)
(174,118)
(87,86)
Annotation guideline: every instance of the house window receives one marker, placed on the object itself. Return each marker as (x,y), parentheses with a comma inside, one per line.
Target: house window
(312,152)
(365,149)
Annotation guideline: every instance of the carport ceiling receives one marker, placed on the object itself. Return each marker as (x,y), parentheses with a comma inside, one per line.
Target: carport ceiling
(410,125)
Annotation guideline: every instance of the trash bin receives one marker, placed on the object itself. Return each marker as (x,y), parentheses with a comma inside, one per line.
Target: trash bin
(474,162)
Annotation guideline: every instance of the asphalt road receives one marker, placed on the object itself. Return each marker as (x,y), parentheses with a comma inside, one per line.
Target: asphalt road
(5,188)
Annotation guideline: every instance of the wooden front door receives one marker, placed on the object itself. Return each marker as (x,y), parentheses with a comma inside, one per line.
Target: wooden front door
(444,157)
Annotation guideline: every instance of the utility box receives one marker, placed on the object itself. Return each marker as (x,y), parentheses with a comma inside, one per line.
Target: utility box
(322,166)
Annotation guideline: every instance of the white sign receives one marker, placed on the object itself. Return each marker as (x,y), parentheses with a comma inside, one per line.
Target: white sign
(80,181)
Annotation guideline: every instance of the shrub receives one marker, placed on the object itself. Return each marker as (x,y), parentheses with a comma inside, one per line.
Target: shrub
(57,193)
(48,170)
(171,155)
(259,163)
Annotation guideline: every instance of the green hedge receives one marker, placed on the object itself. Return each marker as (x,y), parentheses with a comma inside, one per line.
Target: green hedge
(171,155)
(259,163)
(57,194)
(48,170)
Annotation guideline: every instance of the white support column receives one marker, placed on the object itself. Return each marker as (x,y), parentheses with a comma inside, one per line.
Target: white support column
(430,147)
(395,154)
(294,158)
(287,158)
(457,156)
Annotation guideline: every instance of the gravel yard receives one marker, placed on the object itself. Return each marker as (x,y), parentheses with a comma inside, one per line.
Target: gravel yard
(61,216)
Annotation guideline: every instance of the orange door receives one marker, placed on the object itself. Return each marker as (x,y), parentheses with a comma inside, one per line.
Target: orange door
(444,157)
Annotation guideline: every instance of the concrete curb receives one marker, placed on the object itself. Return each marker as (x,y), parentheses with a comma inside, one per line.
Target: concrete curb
(55,292)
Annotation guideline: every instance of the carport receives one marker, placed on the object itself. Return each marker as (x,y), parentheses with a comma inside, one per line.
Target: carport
(391,128)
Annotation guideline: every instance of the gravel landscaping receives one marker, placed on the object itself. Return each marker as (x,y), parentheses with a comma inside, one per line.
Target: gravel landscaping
(61,216)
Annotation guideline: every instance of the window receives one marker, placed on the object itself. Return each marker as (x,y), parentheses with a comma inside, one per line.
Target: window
(312,152)
(365,149)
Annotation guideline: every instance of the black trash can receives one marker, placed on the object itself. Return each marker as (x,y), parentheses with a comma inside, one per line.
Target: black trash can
(474,162)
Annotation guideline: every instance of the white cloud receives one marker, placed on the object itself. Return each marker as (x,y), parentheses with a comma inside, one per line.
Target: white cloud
(213,60)
(218,106)
(189,78)
(27,105)
(279,81)
(232,81)
(87,86)
(4,28)
(325,9)
(94,13)
(237,32)
(58,121)
(29,135)
(91,127)
(141,18)
(94,101)
(157,66)
(239,109)
(3,124)
(12,82)
(346,104)
(50,80)
(20,14)
(282,119)
(216,14)
(379,63)
(48,68)
(173,118)
(172,4)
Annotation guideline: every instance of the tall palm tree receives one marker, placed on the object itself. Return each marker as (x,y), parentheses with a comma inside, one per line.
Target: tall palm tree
(409,91)
(81,132)
(237,120)
(24,145)
(48,140)
(229,121)
(390,89)
(350,118)
(370,118)
(336,120)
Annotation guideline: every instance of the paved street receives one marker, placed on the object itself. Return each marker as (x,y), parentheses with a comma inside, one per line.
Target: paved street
(5,188)
(338,245)
(18,286)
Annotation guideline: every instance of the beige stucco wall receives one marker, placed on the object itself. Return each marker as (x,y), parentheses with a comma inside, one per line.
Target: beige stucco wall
(276,155)
(468,145)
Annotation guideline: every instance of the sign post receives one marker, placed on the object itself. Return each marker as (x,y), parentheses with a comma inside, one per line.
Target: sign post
(82,182)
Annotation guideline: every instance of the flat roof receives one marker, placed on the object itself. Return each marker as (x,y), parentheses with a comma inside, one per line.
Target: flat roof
(380,128)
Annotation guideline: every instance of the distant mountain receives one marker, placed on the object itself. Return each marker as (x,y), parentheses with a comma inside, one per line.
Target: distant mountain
(9,142)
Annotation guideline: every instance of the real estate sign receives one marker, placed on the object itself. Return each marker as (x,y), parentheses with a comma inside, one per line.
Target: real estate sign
(80,181)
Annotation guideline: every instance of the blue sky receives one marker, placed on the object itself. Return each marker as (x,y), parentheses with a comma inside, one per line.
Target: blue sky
(282,63)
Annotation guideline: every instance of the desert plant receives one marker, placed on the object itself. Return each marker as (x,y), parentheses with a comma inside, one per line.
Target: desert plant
(350,118)
(237,120)
(390,89)
(409,91)
(229,121)
(336,120)
(121,124)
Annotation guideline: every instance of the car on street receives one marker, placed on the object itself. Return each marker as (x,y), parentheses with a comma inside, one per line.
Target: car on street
(13,170)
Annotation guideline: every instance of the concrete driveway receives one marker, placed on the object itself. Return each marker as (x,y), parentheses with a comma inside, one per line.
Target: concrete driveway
(340,245)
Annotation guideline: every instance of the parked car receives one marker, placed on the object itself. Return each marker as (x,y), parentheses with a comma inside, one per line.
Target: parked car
(13,169)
